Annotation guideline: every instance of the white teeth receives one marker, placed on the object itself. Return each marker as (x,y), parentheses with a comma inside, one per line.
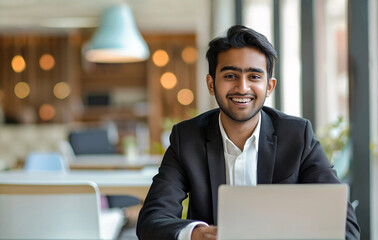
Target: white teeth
(241,100)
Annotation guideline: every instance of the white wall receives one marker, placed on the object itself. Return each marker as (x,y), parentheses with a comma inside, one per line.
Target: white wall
(204,33)
(373,40)
(290,59)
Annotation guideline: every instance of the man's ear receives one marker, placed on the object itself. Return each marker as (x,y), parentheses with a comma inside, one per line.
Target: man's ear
(271,85)
(210,84)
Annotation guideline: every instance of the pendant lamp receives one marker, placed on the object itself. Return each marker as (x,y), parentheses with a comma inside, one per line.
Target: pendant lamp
(117,40)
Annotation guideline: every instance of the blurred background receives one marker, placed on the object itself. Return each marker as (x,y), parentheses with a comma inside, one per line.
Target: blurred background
(55,85)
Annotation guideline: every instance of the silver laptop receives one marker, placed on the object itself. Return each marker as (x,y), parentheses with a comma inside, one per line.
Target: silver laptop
(46,210)
(282,211)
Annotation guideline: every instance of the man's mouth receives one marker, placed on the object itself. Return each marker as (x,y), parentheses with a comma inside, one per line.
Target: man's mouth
(241,100)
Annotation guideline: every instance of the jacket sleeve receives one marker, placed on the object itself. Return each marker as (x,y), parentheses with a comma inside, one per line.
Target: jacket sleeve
(315,168)
(160,216)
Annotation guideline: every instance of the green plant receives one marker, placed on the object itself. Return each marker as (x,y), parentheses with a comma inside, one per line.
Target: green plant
(185,206)
(169,122)
(374,149)
(156,148)
(333,137)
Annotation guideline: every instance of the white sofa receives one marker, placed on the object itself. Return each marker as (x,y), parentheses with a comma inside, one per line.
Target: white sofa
(17,140)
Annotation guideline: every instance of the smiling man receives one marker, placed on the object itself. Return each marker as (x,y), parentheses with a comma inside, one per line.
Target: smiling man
(241,143)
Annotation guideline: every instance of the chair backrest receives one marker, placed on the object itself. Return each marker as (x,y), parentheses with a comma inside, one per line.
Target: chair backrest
(45,161)
(91,141)
(49,211)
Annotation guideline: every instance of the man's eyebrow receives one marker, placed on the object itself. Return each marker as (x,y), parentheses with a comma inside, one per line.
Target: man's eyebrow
(251,69)
(225,68)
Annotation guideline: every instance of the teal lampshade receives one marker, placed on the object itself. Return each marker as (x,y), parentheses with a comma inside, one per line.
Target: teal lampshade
(117,40)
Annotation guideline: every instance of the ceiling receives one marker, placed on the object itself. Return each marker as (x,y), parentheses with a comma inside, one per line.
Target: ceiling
(65,15)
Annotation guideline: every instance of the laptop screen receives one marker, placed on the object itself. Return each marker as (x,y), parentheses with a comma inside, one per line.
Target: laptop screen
(282,211)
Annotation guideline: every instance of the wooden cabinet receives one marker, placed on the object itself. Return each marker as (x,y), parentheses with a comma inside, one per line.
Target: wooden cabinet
(130,92)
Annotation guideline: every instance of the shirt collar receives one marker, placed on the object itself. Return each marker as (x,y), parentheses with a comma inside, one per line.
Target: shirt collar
(227,143)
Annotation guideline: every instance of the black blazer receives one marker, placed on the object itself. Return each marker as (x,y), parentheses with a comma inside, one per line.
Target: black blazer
(194,164)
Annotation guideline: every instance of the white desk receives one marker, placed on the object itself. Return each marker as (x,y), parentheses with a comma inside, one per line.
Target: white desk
(110,182)
(113,161)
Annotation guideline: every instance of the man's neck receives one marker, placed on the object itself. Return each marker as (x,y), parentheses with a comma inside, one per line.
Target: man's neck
(239,132)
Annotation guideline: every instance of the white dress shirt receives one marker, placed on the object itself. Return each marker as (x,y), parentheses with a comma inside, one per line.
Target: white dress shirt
(241,167)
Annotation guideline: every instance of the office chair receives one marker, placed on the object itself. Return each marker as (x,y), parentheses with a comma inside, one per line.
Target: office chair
(93,141)
(51,161)
(45,161)
(55,211)
(100,140)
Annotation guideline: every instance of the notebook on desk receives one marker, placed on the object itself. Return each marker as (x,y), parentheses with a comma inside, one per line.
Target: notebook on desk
(282,211)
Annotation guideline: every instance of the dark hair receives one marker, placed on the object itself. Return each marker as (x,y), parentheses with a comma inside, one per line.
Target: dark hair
(238,37)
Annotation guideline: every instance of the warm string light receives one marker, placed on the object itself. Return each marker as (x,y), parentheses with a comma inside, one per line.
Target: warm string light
(46,112)
(160,58)
(18,64)
(189,55)
(47,62)
(22,90)
(185,96)
(168,80)
(62,90)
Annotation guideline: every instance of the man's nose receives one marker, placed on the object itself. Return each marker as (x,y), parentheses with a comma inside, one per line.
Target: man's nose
(243,85)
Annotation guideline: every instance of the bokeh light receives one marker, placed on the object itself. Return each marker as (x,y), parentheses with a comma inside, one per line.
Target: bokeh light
(189,55)
(22,90)
(46,112)
(18,63)
(185,96)
(46,62)
(160,58)
(62,90)
(168,80)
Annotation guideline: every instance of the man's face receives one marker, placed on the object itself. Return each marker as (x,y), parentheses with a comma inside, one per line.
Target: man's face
(241,83)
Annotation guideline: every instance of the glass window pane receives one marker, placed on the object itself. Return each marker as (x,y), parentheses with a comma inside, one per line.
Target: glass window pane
(258,15)
(290,58)
(331,61)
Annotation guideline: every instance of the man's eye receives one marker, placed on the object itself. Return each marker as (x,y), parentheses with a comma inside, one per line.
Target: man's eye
(254,77)
(229,76)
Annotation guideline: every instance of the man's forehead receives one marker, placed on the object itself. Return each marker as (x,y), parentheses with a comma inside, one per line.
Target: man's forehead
(243,58)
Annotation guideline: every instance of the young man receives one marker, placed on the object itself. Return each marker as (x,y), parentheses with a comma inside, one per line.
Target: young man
(241,143)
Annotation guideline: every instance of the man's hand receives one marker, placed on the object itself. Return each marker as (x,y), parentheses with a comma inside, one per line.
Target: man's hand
(202,232)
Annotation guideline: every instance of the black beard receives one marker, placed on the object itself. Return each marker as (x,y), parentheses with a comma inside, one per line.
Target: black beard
(230,115)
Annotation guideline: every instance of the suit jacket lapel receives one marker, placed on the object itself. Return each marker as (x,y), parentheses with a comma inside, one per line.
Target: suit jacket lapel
(267,150)
(216,162)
